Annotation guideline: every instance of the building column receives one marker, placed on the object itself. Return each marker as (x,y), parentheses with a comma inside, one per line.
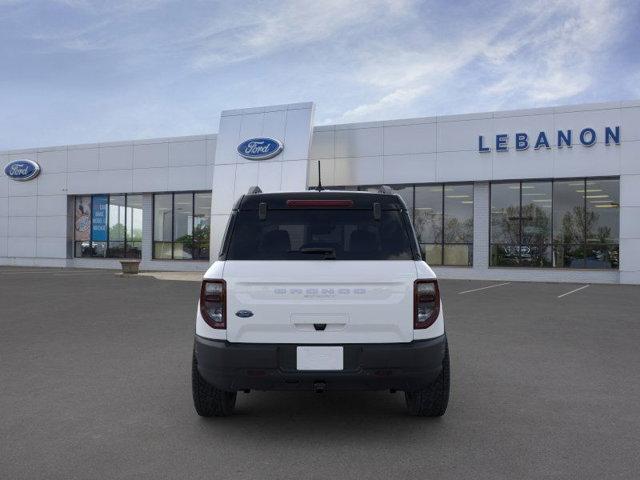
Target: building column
(233,175)
(481,215)
(629,229)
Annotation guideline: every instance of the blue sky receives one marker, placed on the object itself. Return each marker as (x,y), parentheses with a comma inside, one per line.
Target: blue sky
(77,71)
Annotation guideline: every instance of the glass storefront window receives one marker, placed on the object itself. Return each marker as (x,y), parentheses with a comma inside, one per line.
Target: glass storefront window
(568,212)
(406,193)
(117,219)
(108,226)
(82,226)
(442,216)
(134,226)
(535,230)
(505,224)
(428,213)
(505,213)
(458,225)
(162,225)
(569,223)
(603,223)
(181,225)
(564,223)
(201,225)
(427,221)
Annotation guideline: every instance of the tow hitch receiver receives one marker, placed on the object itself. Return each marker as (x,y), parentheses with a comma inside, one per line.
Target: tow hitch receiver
(319,387)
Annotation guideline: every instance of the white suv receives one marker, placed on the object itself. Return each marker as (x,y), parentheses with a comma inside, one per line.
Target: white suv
(320,290)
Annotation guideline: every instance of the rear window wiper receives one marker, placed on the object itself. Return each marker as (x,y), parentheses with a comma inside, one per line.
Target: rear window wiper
(329,253)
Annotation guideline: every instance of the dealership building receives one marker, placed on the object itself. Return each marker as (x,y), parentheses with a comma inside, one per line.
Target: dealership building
(548,194)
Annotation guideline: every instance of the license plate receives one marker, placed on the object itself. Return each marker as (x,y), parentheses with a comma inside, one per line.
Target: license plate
(320,358)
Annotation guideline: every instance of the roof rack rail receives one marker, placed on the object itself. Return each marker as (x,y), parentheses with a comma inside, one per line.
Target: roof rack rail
(385,189)
(253,190)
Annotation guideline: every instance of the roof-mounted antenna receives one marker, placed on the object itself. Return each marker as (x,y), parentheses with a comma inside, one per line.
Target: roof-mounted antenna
(319,187)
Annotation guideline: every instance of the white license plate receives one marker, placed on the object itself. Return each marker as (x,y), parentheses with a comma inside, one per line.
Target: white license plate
(320,358)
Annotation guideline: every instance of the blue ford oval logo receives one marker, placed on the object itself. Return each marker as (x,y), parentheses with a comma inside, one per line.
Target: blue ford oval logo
(244,313)
(22,170)
(260,148)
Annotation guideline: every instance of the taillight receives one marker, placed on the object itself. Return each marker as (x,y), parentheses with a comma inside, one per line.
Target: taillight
(426,303)
(213,299)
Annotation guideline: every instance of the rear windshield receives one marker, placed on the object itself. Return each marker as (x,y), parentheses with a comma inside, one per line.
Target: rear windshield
(320,234)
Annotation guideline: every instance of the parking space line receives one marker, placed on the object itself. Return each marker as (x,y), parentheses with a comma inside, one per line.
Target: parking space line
(34,272)
(71,274)
(484,288)
(56,273)
(573,291)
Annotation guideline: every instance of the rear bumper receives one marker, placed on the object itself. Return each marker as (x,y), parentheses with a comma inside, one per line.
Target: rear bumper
(240,366)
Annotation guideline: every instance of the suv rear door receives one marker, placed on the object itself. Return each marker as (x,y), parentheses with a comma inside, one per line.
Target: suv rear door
(353,301)
(320,275)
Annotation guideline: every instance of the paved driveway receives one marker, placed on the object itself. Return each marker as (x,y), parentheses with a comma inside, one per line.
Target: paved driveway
(95,383)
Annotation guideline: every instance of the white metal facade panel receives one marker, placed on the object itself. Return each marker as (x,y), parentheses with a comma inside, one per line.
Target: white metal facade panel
(234,175)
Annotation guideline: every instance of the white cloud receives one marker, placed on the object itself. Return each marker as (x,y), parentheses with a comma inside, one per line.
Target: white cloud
(112,6)
(555,63)
(406,76)
(288,24)
(397,98)
(544,52)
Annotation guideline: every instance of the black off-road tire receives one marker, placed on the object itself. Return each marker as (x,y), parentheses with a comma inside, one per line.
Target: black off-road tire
(207,399)
(431,401)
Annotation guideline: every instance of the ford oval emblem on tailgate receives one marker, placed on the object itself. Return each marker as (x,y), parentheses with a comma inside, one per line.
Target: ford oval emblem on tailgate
(244,313)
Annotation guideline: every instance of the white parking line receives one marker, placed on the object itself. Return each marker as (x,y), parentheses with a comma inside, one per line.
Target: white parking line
(573,291)
(80,273)
(56,273)
(25,273)
(484,288)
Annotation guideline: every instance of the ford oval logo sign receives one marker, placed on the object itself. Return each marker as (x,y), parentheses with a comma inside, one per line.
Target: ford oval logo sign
(260,148)
(22,170)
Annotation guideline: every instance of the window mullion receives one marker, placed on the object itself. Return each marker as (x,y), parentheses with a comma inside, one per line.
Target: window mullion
(520,227)
(107,215)
(585,218)
(490,221)
(552,240)
(442,232)
(126,198)
(413,206)
(91,226)
(173,222)
(193,223)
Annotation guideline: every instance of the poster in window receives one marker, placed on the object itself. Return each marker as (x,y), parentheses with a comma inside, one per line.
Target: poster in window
(99,220)
(83,219)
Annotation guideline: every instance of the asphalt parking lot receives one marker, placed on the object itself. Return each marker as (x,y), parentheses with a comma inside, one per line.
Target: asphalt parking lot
(95,383)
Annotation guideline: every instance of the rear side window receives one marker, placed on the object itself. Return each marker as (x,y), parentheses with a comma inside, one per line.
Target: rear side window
(320,234)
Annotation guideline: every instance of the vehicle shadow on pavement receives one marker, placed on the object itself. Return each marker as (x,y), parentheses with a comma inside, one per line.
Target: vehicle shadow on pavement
(322,414)
(320,405)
